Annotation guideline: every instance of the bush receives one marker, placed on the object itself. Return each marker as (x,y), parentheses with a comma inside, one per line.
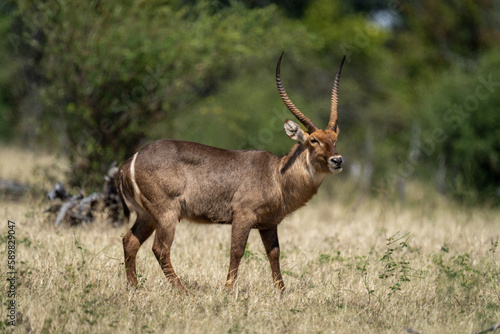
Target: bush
(110,71)
(461,137)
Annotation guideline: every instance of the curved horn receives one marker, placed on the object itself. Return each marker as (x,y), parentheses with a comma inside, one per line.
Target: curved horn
(332,124)
(310,126)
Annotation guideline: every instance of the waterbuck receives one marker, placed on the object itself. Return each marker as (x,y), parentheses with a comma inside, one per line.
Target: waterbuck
(171,179)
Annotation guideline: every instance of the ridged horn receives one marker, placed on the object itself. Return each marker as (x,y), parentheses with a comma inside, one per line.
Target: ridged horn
(310,126)
(332,123)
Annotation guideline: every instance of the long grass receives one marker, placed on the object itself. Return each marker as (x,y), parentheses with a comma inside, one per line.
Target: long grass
(369,266)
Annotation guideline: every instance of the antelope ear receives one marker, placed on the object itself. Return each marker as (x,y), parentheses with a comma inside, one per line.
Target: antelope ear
(294,131)
(338,130)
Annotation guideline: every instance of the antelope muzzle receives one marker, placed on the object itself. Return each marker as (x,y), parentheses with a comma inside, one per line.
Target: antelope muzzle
(335,163)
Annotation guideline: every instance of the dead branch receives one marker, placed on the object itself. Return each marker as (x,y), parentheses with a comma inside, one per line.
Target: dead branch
(78,209)
(491,329)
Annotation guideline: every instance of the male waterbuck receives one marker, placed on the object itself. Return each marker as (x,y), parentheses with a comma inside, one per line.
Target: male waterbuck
(170,179)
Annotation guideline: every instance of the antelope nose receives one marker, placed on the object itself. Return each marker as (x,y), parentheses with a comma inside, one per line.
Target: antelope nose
(337,160)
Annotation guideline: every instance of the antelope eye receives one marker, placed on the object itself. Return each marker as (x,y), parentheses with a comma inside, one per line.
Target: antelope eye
(314,141)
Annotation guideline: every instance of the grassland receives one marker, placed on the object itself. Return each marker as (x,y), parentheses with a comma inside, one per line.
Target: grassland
(350,266)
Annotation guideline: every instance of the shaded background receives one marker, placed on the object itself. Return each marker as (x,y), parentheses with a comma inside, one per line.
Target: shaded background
(419,94)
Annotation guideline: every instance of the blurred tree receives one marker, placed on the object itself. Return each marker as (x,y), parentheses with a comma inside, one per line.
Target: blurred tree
(440,33)
(293,8)
(99,79)
(373,101)
(110,70)
(444,49)
(8,88)
(460,143)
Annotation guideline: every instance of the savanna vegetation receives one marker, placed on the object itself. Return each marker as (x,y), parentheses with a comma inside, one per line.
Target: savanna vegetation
(370,266)
(95,81)
(405,239)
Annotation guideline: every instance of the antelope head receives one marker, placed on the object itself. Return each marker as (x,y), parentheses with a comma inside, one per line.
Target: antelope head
(321,144)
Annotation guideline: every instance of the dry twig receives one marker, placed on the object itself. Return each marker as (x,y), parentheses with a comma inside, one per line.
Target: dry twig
(491,329)
(78,209)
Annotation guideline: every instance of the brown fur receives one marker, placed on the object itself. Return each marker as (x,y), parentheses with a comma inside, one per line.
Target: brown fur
(248,189)
(169,180)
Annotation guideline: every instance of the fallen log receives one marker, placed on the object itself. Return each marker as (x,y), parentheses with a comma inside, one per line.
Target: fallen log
(77,209)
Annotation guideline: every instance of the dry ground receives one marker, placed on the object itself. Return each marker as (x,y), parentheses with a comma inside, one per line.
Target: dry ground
(350,266)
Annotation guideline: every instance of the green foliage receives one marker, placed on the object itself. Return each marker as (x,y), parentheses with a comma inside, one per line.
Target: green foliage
(458,268)
(326,258)
(362,263)
(248,254)
(7,77)
(98,80)
(461,132)
(395,265)
(449,31)
(111,71)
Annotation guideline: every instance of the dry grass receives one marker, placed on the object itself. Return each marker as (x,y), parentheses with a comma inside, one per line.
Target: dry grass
(341,275)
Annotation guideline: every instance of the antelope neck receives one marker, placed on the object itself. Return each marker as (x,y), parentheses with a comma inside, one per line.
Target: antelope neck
(299,182)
